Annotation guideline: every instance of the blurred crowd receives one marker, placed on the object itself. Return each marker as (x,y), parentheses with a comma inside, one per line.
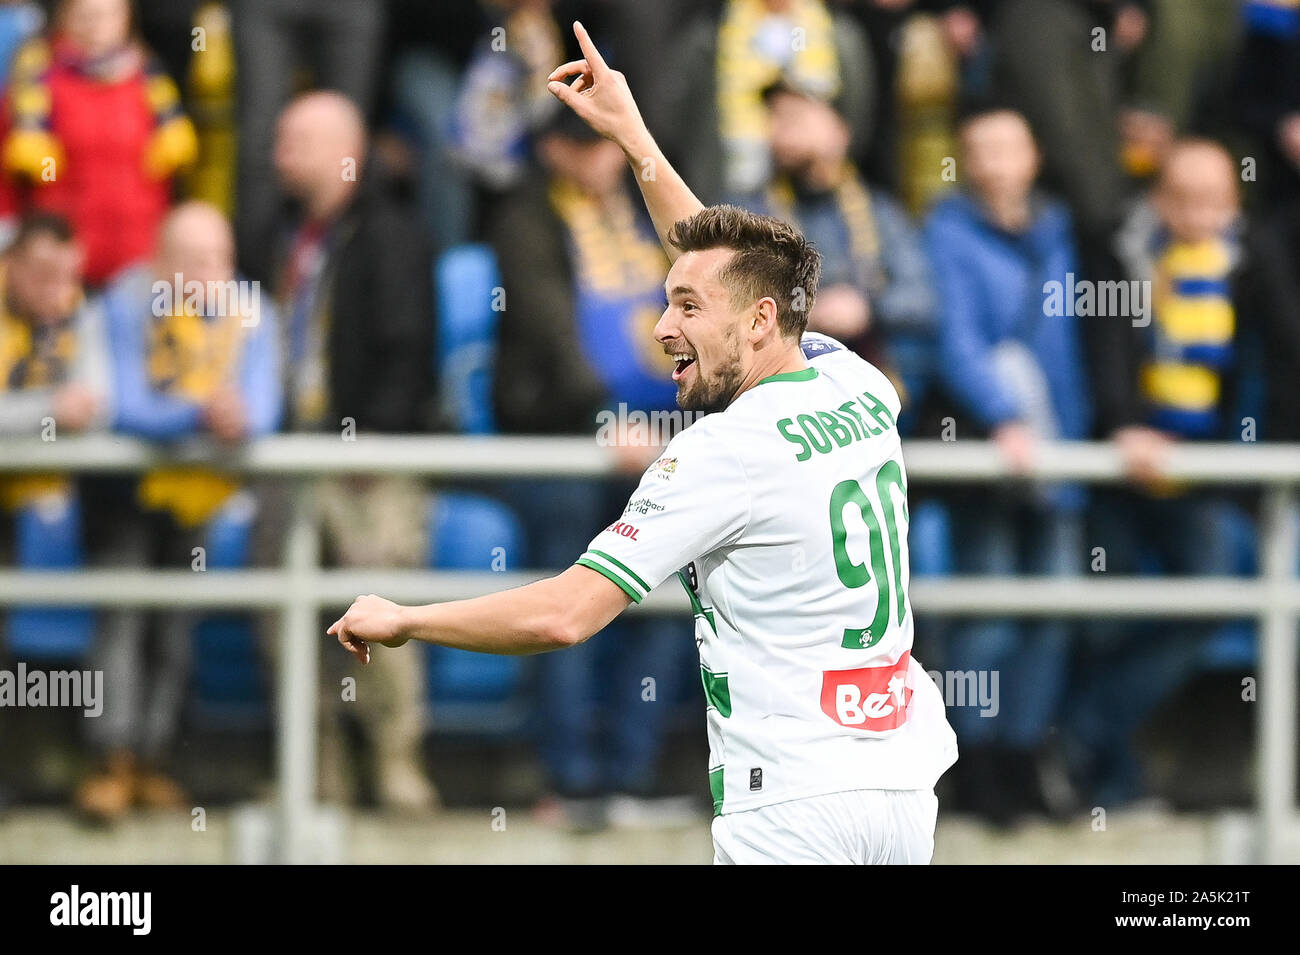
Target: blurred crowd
(1044,219)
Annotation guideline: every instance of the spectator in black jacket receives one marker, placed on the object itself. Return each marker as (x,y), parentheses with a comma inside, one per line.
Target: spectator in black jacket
(1220,316)
(342,41)
(355,285)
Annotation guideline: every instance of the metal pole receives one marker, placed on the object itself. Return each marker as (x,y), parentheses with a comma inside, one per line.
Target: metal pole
(298,678)
(1276,753)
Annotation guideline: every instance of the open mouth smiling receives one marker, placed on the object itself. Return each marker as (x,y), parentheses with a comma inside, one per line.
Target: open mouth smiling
(684,361)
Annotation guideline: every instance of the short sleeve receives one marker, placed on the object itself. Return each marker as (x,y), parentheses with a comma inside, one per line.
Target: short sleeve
(691,501)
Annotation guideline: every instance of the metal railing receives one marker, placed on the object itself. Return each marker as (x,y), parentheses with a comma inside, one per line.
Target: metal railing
(300,588)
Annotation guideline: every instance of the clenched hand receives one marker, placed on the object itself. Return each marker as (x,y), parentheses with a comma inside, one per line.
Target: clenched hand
(370,619)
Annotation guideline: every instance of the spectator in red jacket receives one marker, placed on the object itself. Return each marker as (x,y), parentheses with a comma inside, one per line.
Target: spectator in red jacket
(94,131)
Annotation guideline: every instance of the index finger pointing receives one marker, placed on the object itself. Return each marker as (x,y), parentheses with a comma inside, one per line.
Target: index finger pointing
(589,50)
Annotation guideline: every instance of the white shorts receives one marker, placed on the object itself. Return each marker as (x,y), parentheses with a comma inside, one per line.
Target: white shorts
(860,827)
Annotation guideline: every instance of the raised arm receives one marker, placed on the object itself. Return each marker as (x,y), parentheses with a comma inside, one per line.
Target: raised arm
(600,96)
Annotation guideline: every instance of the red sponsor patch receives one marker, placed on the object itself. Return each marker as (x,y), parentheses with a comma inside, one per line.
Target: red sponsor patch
(623,529)
(875,699)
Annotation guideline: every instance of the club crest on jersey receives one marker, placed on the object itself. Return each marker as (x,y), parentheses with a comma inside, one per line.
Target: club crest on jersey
(872,699)
(664,468)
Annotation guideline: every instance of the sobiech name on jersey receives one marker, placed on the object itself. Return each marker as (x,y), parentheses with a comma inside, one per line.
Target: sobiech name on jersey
(823,431)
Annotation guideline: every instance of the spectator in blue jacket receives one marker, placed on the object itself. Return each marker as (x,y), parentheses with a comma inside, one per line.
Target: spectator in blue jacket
(1013,369)
(194,346)
(194,353)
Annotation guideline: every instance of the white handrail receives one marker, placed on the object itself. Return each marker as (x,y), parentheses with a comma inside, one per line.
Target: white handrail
(301,588)
(527,456)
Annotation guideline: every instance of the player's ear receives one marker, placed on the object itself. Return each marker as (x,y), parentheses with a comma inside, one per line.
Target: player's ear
(764,319)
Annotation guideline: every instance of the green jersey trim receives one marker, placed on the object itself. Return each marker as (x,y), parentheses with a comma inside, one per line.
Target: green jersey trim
(715,789)
(613,575)
(621,566)
(699,611)
(803,374)
(717,691)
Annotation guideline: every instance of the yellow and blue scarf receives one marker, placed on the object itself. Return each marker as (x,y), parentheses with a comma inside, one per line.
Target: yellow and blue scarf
(190,356)
(1192,332)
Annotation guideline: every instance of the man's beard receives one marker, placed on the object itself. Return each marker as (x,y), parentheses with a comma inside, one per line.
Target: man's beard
(716,393)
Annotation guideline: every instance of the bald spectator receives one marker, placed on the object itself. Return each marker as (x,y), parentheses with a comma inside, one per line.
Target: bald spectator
(194,354)
(339,44)
(1223,314)
(355,279)
(195,347)
(356,257)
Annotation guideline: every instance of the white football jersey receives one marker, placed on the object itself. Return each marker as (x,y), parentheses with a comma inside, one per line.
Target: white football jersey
(785,518)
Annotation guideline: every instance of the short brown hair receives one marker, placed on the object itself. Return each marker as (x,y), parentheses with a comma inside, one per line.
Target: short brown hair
(772,259)
(38,223)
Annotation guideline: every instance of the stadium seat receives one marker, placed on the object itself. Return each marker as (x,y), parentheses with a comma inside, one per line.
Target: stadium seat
(464,280)
(473,690)
(228,683)
(49,538)
(1234,645)
(229,687)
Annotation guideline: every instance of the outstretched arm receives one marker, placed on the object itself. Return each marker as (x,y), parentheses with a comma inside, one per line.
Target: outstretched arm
(551,614)
(600,96)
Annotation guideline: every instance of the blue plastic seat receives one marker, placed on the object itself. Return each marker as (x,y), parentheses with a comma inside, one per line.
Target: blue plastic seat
(467,284)
(228,683)
(49,538)
(229,687)
(471,532)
